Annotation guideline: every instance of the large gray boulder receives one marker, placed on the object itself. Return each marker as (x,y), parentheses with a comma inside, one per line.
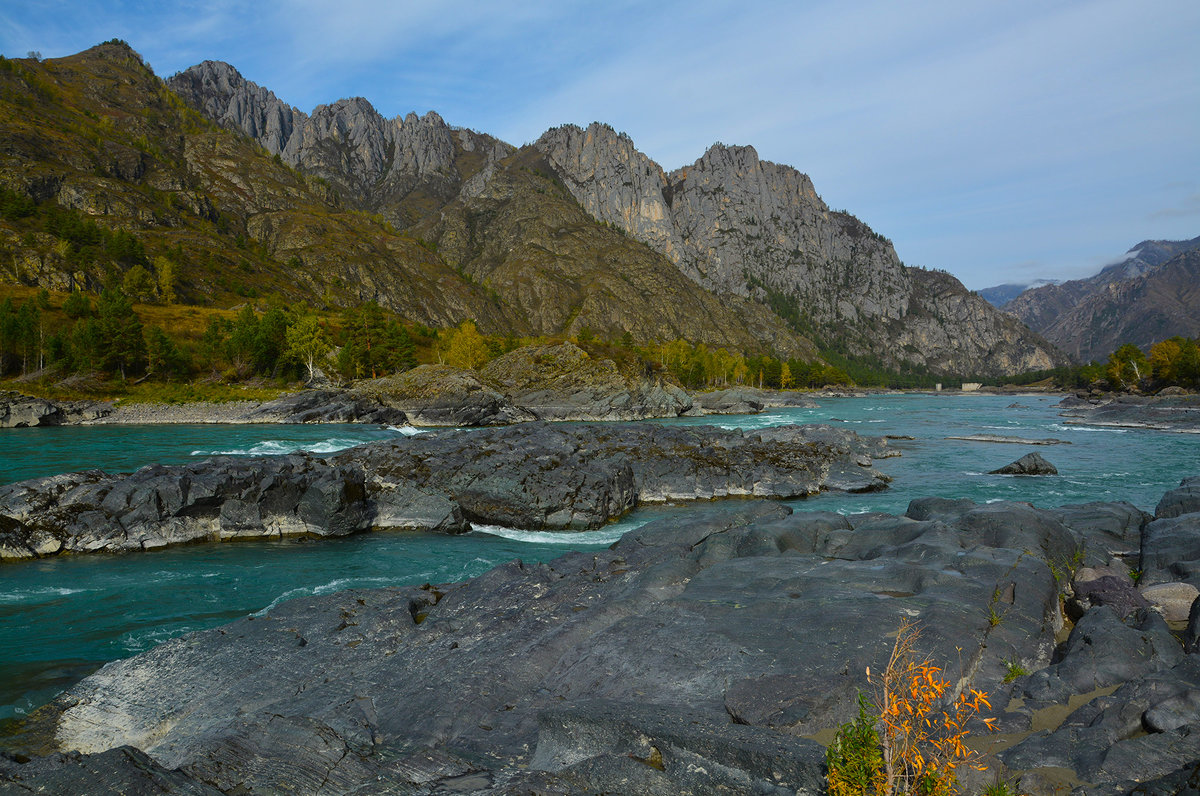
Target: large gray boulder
(441,395)
(563,382)
(23,411)
(699,654)
(1185,499)
(743,400)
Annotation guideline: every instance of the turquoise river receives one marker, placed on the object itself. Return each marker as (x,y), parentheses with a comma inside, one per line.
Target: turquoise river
(62,618)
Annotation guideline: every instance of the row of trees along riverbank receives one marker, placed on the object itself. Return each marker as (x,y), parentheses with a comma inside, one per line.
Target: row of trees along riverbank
(1174,362)
(58,334)
(82,333)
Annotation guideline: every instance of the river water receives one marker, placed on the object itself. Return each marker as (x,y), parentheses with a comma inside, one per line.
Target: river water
(61,618)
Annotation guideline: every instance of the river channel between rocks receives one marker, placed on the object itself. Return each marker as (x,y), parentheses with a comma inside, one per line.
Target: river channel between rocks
(60,619)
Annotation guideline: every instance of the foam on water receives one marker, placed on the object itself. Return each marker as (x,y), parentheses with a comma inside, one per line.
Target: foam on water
(36,594)
(280,447)
(408,431)
(606,535)
(1107,429)
(324,588)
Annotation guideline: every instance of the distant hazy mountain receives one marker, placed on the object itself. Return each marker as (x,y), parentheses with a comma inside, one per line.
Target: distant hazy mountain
(1148,296)
(1000,295)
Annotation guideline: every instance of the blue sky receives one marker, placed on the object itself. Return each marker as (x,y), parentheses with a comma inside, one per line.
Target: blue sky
(1001,141)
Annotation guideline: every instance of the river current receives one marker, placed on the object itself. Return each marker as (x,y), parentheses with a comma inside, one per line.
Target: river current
(62,618)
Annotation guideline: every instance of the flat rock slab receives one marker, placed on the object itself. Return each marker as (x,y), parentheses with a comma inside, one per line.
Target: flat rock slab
(535,476)
(22,411)
(1179,413)
(695,655)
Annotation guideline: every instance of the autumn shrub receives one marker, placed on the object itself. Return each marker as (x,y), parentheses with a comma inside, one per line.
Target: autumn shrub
(911,740)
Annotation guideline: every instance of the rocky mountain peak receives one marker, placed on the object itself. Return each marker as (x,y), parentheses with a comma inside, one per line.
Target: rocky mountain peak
(376,162)
(347,139)
(219,91)
(1146,297)
(737,224)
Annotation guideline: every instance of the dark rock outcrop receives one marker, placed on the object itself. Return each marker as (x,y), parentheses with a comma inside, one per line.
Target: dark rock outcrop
(327,406)
(1029,464)
(750,400)
(562,382)
(22,411)
(692,656)
(536,476)
(1180,413)
(1184,499)
(440,395)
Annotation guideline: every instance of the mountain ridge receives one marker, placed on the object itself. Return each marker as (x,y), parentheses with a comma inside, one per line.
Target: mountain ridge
(744,226)
(1090,317)
(443,224)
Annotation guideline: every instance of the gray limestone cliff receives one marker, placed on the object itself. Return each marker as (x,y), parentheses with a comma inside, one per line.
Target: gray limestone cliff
(731,223)
(393,166)
(739,225)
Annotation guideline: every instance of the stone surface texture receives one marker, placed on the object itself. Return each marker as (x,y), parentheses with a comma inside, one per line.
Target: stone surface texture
(536,476)
(699,654)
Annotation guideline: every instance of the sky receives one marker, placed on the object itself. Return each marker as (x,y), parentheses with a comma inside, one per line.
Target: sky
(1002,141)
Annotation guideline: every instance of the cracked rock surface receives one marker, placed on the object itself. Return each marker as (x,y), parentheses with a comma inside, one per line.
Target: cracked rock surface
(701,653)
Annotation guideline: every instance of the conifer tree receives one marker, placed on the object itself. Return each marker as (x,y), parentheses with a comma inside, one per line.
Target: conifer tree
(121,345)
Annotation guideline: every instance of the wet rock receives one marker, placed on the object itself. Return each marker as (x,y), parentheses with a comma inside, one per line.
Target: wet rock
(1185,499)
(1171,550)
(1009,440)
(1029,464)
(532,476)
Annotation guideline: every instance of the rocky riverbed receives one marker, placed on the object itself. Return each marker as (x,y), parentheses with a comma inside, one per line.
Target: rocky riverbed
(536,476)
(707,653)
(558,382)
(1179,412)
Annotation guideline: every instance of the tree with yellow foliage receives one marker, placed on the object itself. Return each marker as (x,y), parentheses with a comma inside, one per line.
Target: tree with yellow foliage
(465,347)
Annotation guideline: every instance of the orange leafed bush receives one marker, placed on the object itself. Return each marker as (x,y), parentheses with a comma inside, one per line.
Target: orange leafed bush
(920,730)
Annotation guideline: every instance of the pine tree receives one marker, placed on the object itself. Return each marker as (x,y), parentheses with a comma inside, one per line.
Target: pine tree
(122,347)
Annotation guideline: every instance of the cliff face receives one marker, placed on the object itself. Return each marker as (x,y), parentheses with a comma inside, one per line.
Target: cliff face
(731,251)
(747,227)
(1147,297)
(518,232)
(401,168)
